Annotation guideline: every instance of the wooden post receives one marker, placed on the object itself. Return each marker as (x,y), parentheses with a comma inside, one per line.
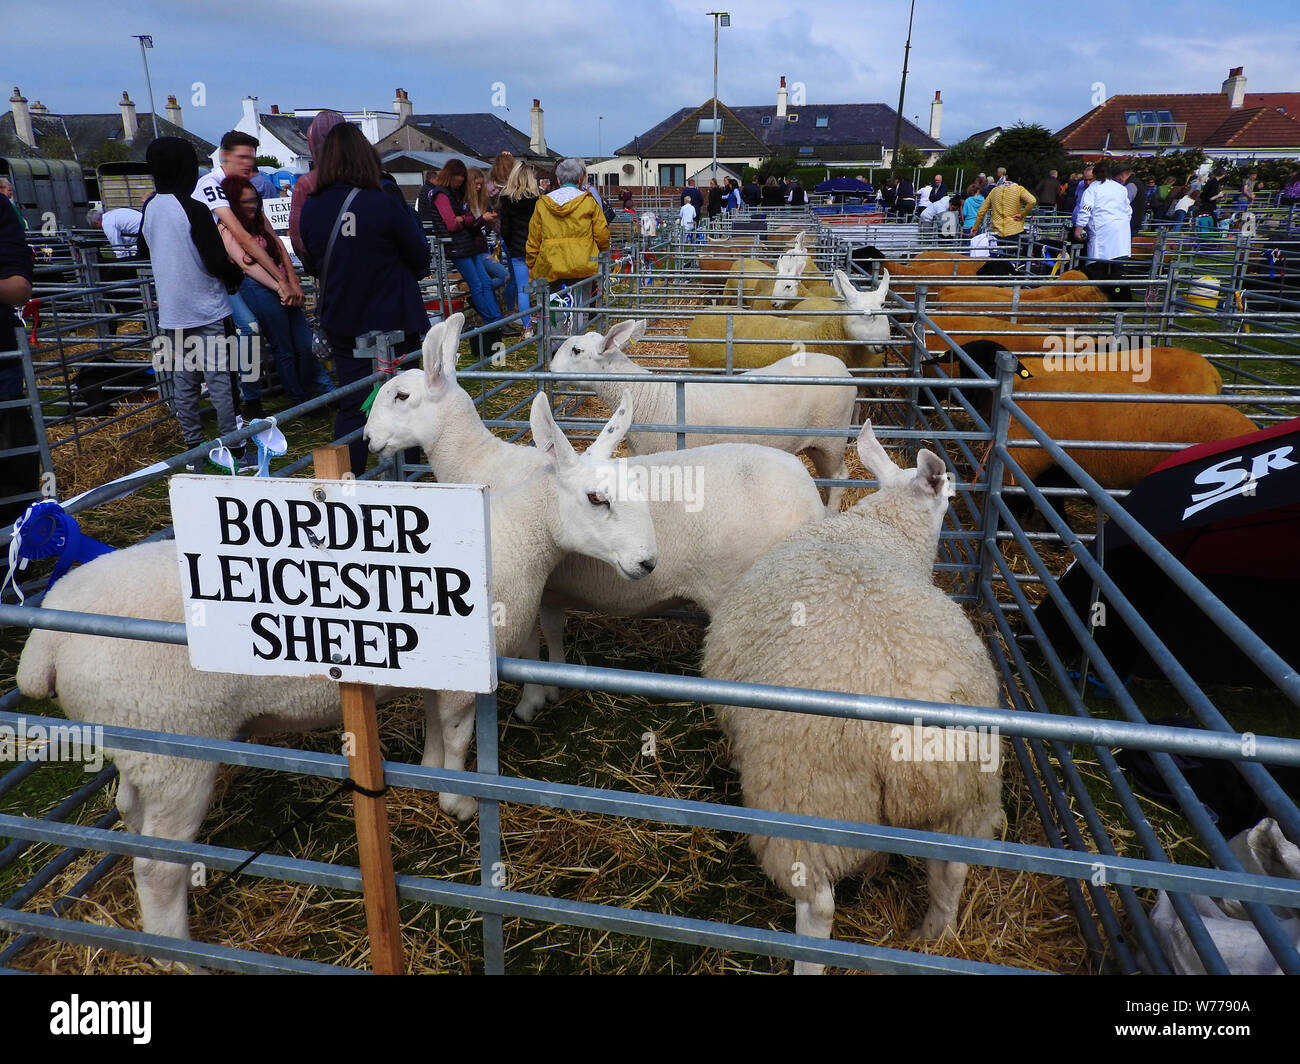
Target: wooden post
(371,814)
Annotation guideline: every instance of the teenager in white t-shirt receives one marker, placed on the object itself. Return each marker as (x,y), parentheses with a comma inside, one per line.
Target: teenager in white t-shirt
(238,151)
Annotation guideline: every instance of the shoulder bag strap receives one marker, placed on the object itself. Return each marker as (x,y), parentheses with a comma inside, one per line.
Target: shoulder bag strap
(338,224)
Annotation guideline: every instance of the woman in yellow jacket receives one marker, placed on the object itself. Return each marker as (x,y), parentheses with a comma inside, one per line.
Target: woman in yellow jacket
(568,231)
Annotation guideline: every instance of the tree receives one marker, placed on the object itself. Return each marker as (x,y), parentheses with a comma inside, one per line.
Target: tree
(111,151)
(57,148)
(267,160)
(969,154)
(1028,152)
(776,166)
(908,157)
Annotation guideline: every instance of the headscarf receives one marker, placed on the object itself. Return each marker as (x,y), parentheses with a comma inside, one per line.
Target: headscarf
(319,129)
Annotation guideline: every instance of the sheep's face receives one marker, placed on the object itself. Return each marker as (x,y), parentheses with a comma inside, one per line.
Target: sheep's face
(919,496)
(868,323)
(789,271)
(401,405)
(594,353)
(598,515)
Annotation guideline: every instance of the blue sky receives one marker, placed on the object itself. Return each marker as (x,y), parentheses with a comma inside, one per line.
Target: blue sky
(646,61)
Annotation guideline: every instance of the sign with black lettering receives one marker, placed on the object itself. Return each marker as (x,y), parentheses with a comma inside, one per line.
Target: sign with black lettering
(383,582)
(277,213)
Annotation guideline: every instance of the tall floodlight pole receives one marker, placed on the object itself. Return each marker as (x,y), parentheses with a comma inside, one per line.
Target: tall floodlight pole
(723,18)
(902,88)
(599,149)
(146,41)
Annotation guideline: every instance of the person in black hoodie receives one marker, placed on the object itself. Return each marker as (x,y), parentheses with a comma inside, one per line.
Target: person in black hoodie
(518,201)
(192,278)
(772,194)
(751,195)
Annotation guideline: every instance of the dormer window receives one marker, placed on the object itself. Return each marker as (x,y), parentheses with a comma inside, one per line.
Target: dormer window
(823,121)
(766,120)
(792,118)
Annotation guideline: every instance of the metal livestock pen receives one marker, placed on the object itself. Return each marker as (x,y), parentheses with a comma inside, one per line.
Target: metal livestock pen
(987,560)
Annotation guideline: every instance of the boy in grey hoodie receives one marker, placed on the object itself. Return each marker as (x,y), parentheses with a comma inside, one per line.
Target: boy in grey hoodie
(192,276)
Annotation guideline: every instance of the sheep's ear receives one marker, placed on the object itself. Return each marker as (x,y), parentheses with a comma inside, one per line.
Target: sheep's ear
(882,290)
(432,354)
(623,333)
(932,475)
(451,344)
(873,456)
(547,435)
(614,431)
(844,287)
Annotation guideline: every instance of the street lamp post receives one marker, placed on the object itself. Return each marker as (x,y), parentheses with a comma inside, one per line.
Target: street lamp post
(599,149)
(146,41)
(719,18)
(902,88)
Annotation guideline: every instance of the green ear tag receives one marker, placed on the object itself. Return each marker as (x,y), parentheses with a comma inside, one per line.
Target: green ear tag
(370,400)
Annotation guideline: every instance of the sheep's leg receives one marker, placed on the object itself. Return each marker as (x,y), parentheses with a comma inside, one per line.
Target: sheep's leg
(433,756)
(534,696)
(830,465)
(814,918)
(945,880)
(128,804)
(170,801)
(552,621)
(456,711)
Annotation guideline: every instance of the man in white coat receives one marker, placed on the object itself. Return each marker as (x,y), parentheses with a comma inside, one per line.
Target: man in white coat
(1104,211)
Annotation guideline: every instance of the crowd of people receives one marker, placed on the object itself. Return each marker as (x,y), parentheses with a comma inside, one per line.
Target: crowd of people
(221,271)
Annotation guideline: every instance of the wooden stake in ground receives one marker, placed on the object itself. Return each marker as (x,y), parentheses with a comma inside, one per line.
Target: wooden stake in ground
(371,814)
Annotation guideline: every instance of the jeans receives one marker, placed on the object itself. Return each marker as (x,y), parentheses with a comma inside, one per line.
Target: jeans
(186,384)
(498,275)
(480,287)
(245,319)
(520,270)
(287,331)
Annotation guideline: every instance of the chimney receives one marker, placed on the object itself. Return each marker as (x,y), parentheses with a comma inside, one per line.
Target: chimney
(1235,88)
(22,118)
(39,108)
(250,114)
(402,105)
(936,114)
(780,99)
(174,113)
(537,143)
(129,127)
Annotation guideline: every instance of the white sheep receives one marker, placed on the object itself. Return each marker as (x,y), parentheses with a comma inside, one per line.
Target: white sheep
(861,320)
(728,504)
(872,623)
(565,507)
(790,285)
(794,406)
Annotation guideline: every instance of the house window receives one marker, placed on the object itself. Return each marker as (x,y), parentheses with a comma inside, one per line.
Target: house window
(823,121)
(766,120)
(805,151)
(709,125)
(611,179)
(792,118)
(672,174)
